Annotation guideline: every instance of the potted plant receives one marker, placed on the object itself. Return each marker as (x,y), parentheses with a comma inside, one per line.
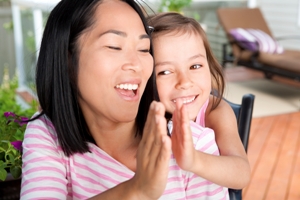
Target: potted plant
(13,121)
(12,128)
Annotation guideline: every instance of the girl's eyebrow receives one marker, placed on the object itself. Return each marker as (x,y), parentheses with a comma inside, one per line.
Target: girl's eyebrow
(197,56)
(162,63)
(123,34)
(170,62)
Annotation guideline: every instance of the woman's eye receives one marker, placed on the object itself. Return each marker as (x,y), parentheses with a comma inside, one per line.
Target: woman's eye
(196,66)
(166,72)
(114,48)
(145,50)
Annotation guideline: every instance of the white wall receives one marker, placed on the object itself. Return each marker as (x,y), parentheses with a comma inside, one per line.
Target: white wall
(282,17)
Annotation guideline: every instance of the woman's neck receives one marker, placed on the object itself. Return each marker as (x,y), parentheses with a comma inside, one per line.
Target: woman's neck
(119,141)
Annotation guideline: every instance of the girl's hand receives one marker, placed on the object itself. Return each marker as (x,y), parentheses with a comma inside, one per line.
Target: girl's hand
(182,140)
(153,155)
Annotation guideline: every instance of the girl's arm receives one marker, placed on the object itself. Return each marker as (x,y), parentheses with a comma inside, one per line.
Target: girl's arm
(231,169)
(235,165)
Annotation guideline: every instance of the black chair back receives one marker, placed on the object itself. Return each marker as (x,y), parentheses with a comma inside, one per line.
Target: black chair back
(243,113)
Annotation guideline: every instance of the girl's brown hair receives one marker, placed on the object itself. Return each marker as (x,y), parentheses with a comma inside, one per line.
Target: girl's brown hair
(172,22)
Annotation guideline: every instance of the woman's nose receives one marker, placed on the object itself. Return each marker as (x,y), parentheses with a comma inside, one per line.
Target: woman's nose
(132,61)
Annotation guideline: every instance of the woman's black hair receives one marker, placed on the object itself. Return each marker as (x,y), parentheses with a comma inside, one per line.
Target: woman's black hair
(57,73)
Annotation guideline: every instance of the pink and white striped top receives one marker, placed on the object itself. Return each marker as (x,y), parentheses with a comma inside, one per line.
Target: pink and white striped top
(204,140)
(49,174)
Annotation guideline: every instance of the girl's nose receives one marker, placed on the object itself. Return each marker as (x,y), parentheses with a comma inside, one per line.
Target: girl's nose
(184,82)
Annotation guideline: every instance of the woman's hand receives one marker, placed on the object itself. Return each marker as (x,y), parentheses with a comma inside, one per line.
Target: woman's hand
(153,155)
(182,140)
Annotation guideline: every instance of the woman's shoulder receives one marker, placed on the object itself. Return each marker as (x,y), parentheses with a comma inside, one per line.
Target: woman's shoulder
(40,128)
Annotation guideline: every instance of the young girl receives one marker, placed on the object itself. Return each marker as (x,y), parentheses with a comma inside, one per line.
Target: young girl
(186,73)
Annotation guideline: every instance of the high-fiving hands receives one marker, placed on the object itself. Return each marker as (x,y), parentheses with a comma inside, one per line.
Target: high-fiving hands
(155,149)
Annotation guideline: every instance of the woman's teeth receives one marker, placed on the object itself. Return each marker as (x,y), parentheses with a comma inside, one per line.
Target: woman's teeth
(127,86)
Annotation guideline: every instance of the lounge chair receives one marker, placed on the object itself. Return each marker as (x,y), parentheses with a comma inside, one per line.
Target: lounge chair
(286,64)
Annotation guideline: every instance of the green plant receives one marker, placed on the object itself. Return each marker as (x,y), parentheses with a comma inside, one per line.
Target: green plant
(173,5)
(12,127)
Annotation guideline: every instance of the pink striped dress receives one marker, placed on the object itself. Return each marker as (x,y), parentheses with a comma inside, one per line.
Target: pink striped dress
(49,174)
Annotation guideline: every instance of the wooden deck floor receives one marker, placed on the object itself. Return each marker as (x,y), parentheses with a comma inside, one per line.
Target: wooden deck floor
(274,156)
(273,151)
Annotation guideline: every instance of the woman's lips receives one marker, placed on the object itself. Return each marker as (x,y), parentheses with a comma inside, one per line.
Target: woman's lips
(128,91)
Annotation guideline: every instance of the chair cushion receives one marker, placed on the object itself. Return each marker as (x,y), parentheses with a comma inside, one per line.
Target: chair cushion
(288,60)
(256,40)
(244,39)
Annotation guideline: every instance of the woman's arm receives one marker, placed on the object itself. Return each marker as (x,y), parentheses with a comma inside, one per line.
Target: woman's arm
(45,172)
(153,157)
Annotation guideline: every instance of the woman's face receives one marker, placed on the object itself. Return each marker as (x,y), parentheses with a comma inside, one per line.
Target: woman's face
(114,64)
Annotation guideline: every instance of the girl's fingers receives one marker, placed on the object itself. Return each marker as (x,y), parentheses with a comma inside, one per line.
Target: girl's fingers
(185,122)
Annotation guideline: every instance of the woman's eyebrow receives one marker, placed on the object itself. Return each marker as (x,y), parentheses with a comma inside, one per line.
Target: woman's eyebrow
(116,32)
(144,36)
(123,34)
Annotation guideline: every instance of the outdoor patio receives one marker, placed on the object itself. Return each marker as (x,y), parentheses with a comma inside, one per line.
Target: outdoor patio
(274,148)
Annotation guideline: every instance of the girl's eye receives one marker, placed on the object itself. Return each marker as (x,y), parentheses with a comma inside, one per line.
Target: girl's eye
(195,66)
(114,48)
(166,72)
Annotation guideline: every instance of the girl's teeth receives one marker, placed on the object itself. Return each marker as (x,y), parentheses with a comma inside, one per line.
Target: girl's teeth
(184,101)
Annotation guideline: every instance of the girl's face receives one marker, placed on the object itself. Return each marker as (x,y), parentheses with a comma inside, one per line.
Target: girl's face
(114,64)
(182,71)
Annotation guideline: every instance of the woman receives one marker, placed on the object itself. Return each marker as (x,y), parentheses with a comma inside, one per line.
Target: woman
(92,71)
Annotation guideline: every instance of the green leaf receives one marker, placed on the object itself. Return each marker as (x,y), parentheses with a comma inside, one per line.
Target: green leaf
(3,165)
(3,174)
(16,171)
(2,153)
(10,157)
(19,135)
